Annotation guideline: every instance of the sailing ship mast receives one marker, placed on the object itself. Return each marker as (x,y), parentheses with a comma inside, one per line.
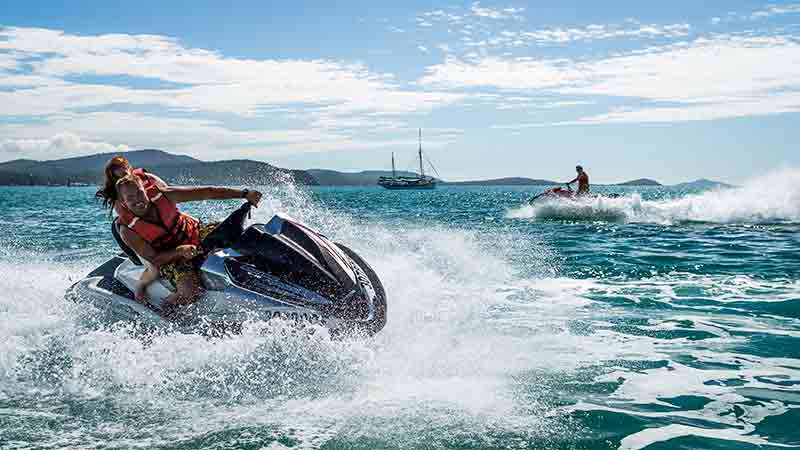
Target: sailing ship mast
(421,170)
(412,181)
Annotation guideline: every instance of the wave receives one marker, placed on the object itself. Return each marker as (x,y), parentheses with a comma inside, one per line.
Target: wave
(774,198)
(484,347)
(444,287)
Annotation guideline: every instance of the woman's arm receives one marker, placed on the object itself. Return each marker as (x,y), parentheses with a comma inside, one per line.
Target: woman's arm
(157,180)
(143,249)
(191,194)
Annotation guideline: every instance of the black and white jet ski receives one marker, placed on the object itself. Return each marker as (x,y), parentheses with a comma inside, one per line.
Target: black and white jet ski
(279,269)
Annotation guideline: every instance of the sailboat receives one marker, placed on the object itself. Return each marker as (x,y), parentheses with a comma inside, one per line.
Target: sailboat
(420,181)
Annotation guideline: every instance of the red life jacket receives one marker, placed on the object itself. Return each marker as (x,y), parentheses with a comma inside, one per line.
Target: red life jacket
(143,176)
(177,229)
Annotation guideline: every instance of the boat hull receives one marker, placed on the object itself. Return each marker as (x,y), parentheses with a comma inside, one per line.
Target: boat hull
(409,187)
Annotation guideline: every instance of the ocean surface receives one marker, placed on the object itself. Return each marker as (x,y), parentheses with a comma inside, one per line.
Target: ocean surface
(664,319)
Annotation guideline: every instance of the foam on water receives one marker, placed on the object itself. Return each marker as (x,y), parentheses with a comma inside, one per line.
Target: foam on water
(441,359)
(767,199)
(478,351)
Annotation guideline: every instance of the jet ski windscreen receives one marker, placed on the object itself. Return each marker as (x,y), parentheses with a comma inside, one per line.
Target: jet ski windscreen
(227,233)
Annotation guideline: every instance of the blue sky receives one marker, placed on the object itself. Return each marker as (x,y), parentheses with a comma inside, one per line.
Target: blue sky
(672,91)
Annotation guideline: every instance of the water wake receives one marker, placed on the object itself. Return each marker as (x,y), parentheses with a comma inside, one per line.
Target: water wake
(774,198)
(485,347)
(444,285)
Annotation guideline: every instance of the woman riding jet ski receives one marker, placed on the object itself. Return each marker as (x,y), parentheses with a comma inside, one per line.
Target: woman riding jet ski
(279,269)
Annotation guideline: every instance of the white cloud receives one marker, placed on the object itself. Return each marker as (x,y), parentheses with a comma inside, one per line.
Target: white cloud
(323,101)
(214,83)
(722,69)
(211,83)
(493,13)
(511,74)
(589,33)
(775,10)
(440,15)
(60,144)
(476,32)
(423,49)
(726,76)
(766,13)
(8,61)
(782,102)
(562,104)
(203,138)
(531,103)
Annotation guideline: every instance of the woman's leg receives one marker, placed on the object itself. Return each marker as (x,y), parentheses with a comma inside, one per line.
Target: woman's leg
(188,289)
(149,275)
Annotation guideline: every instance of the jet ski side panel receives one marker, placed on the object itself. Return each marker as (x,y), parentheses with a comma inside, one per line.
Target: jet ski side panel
(112,303)
(315,244)
(378,317)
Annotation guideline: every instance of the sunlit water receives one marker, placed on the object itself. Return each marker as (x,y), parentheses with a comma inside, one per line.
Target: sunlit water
(661,319)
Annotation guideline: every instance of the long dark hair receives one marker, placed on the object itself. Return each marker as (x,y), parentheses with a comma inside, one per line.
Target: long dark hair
(109,191)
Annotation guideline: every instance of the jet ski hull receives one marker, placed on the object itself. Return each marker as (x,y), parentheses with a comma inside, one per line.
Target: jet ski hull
(560,194)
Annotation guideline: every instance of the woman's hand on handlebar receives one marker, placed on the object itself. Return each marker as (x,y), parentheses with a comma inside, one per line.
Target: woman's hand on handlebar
(187,251)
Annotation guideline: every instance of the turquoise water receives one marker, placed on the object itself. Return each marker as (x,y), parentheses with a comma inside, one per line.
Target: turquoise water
(659,320)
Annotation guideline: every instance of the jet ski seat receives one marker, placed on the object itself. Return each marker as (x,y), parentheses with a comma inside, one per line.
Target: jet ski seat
(127,250)
(129,272)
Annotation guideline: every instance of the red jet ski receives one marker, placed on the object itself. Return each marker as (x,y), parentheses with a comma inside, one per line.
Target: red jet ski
(556,193)
(560,193)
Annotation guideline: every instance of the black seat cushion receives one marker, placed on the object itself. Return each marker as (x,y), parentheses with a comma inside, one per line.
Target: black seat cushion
(128,251)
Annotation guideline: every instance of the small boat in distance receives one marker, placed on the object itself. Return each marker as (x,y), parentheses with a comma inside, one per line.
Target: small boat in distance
(420,181)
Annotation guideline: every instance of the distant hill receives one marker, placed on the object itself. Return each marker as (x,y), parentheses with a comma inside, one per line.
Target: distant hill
(94,163)
(182,169)
(508,181)
(235,171)
(327,177)
(179,169)
(640,182)
(703,184)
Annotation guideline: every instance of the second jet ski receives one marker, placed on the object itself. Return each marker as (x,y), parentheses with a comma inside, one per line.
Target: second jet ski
(566,193)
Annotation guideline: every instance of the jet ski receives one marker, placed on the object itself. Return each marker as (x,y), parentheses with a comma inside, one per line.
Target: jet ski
(560,193)
(282,269)
(553,194)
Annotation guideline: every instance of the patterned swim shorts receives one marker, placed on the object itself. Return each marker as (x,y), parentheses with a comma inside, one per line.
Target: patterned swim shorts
(176,271)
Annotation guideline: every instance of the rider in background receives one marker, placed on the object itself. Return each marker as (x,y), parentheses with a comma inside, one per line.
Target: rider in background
(582,179)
